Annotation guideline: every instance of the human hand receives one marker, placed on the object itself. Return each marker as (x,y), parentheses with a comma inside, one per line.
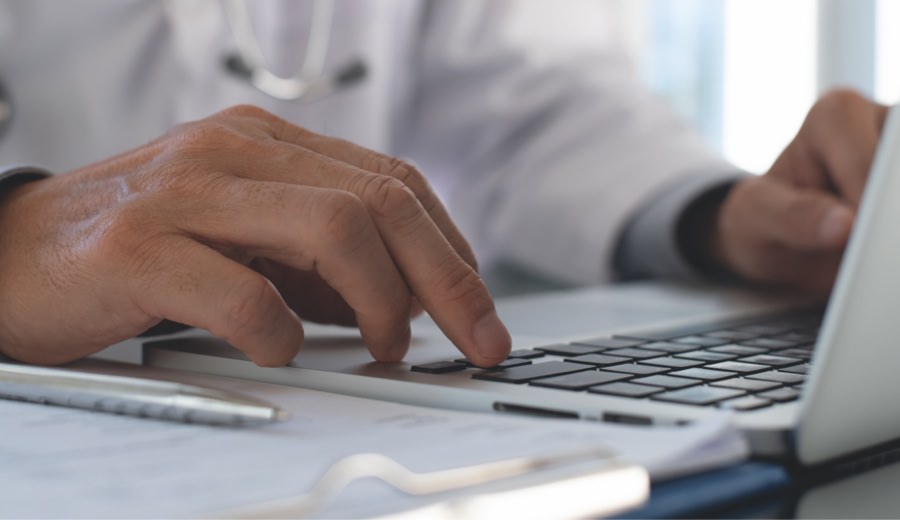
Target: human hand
(789,227)
(241,224)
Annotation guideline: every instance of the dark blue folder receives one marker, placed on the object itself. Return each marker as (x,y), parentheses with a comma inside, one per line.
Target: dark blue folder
(748,489)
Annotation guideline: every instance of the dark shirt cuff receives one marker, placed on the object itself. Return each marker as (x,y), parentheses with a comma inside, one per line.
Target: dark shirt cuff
(667,237)
(13,176)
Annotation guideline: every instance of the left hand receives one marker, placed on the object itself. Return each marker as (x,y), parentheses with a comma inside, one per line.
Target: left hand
(789,227)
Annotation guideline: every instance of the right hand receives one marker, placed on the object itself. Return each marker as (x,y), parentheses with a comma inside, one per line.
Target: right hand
(240,224)
(789,227)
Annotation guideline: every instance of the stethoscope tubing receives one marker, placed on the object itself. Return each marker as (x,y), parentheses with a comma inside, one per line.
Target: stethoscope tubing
(311,84)
(6,109)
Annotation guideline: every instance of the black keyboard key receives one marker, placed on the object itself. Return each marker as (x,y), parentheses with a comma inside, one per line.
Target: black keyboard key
(739,367)
(634,353)
(750,385)
(765,329)
(506,363)
(638,369)
(703,374)
(740,350)
(439,367)
(769,343)
(800,338)
(744,404)
(672,362)
(698,395)
(579,380)
(666,381)
(626,390)
(599,360)
(700,341)
(524,374)
(565,349)
(526,353)
(731,335)
(797,369)
(781,395)
(607,343)
(666,334)
(774,361)
(671,348)
(784,378)
(705,355)
(800,353)
(509,363)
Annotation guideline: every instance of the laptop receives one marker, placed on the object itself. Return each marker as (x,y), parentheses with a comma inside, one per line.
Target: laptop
(805,382)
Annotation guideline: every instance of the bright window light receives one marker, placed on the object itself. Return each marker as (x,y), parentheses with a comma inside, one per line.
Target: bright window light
(769,77)
(887,53)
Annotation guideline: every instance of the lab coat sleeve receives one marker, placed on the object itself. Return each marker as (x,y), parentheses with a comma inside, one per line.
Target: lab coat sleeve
(532,124)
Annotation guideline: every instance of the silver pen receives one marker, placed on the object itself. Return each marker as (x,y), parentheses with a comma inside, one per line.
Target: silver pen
(132,396)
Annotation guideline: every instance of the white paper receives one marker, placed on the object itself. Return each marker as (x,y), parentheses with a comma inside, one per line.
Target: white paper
(59,462)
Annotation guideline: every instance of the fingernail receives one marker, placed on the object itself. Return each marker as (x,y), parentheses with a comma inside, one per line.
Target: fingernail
(491,337)
(835,226)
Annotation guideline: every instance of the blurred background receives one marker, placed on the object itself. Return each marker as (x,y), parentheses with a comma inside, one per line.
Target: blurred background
(747,71)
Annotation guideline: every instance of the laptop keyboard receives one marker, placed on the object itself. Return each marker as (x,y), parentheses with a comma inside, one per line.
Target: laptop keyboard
(745,365)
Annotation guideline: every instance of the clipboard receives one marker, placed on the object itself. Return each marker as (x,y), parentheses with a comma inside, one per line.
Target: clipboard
(433,462)
(576,484)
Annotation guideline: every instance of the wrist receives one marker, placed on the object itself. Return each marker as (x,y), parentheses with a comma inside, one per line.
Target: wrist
(700,238)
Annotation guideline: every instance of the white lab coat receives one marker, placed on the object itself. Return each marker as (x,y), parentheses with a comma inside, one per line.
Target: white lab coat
(524,114)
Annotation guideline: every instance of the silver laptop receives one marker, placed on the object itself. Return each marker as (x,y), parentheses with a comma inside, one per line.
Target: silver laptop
(806,382)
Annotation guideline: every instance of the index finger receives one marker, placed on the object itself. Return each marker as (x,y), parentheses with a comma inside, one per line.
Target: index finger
(447,286)
(431,254)
(845,129)
(369,160)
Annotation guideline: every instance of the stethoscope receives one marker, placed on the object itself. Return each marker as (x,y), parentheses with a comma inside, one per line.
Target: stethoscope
(6,109)
(311,83)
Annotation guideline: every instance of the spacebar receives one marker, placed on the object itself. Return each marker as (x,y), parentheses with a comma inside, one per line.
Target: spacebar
(526,373)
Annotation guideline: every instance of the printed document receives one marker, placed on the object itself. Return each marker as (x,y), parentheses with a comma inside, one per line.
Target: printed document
(60,462)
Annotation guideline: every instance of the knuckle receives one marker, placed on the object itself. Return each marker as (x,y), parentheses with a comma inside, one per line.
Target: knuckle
(245,111)
(224,130)
(842,97)
(245,308)
(203,137)
(265,121)
(391,199)
(122,233)
(460,284)
(411,177)
(839,101)
(402,171)
(343,219)
(129,242)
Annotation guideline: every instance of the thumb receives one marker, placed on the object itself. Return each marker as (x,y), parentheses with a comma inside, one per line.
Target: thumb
(810,219)
(835,225)
(806,219)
